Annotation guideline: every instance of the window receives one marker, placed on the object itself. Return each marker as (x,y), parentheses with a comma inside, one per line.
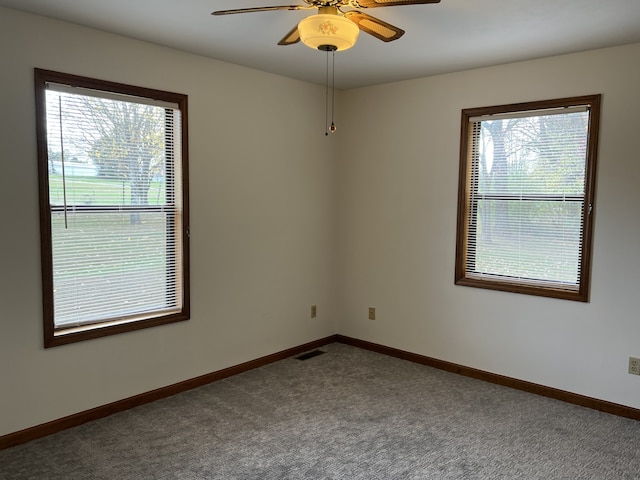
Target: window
(525,198)
(112,163)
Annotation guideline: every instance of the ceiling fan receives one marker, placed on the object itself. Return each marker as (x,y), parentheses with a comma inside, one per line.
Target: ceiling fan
(335,28)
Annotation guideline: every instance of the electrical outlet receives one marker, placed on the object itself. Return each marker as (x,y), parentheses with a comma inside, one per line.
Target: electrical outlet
(372,313)
(314,311)
(634,366)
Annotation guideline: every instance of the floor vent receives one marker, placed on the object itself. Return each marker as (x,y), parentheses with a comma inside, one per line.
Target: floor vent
(308,355)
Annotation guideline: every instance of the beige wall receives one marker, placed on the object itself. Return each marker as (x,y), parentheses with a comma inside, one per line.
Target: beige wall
(397,223)
(283,218)
(262,223)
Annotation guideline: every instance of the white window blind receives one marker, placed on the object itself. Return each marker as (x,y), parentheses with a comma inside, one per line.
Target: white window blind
(528,194)
(115,207)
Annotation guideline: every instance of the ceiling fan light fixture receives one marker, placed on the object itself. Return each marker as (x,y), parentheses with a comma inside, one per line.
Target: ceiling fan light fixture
(328,32)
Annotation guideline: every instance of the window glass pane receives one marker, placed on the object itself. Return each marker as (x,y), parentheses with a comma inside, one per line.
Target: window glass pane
(529,240)
(106,266)
(542,155)
(114,151)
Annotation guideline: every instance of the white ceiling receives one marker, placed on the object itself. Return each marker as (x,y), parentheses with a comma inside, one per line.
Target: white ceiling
(449,36)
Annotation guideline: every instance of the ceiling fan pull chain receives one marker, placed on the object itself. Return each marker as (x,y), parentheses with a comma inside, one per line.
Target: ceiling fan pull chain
(326,97)
(332,128)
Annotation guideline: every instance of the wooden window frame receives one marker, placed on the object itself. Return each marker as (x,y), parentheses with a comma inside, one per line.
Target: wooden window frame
(52,336)
(466,183)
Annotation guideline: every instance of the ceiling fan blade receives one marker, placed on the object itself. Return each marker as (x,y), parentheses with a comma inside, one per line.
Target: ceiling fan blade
(374,26)
(261,9)
(392,3)
(290,38)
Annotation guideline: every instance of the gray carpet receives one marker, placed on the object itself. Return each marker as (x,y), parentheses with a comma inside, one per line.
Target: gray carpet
(347,414)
